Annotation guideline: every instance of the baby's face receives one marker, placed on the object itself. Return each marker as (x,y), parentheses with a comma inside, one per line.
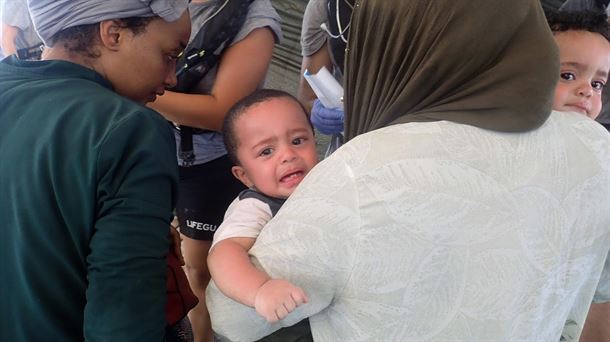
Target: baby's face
(276,147)
(585,62)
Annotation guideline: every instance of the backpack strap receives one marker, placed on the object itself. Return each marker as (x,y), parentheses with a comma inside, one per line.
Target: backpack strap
(339,18)
(202,54)
(187,155)
(205,49)
(30,53)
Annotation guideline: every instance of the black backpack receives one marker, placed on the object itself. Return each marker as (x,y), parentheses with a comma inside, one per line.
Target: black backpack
(202,54)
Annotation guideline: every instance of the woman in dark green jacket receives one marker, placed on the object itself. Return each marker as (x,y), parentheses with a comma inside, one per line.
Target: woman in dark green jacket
(87,173)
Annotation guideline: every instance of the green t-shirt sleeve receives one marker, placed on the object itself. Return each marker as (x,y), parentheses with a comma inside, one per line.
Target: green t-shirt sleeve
(137,181)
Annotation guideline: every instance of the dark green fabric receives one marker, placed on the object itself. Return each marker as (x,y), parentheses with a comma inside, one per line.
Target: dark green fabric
(487,63)
(87,185)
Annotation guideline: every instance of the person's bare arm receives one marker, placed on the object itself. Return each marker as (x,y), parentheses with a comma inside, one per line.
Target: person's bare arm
(238,279)
(9,33)
(241,69)
(313,64)
(233,272)
(597,325)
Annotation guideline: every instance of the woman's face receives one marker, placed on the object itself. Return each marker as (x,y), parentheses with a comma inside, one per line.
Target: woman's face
(145,64)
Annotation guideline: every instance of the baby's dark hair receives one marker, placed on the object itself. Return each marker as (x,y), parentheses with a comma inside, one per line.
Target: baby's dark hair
(591,21)
(259,96)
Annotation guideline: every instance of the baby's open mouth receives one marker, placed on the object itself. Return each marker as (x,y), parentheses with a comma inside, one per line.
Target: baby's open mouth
(291,176)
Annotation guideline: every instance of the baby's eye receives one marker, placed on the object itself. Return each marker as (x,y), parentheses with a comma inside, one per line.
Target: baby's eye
(568,76)
(265,152)
(598,85)
(297,141)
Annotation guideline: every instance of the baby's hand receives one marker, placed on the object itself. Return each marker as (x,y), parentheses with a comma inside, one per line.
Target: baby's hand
(277,298)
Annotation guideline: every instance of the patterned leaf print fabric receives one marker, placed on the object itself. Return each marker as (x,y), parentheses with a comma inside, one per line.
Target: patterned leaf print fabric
(441,231)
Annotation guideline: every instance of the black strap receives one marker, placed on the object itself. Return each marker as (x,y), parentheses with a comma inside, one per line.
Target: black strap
(30,53)
(205,49)
(337,45)
(186,146)
(202,54)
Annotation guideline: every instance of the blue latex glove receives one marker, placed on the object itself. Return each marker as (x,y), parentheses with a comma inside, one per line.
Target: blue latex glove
(326,120)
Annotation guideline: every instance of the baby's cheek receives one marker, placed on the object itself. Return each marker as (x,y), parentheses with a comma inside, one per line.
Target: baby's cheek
(596,107)
(559,98)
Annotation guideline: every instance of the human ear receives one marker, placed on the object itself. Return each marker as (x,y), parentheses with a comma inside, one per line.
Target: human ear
(240,173)
(110,34)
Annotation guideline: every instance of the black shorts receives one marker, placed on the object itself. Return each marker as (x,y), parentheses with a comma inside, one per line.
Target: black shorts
(205,192)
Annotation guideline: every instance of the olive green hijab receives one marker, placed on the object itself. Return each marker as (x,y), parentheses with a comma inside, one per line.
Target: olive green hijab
(486,63)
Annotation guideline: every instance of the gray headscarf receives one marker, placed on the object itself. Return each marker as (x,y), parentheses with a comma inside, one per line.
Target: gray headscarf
(52,16)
